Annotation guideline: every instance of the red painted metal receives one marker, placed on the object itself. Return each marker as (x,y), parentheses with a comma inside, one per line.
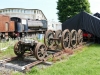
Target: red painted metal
(5,24)
(87,35)
(11,26)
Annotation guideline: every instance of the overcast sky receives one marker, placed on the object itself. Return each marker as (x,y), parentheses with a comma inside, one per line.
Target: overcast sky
(47,6)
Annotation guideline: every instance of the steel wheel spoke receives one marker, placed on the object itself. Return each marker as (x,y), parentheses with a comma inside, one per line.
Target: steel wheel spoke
(66,39)
(73,38)
(18,49)
(80,36)
(58,34)
(47,38)
(40,51)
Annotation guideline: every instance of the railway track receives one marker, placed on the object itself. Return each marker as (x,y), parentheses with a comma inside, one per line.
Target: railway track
(28,61)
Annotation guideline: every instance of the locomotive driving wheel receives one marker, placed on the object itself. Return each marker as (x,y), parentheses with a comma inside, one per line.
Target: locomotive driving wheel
(48,39)
(65,39)
(73,38)
(18,49)
(40,51)
(80,37)
(58,34)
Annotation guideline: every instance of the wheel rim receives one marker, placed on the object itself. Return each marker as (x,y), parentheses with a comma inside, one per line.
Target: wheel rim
(58,34)
(18,49)
(65,39)
(73,38)
(47,39)
(40,51)
(80,36)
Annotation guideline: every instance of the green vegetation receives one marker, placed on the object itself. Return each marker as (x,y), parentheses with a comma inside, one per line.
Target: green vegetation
(7,53)
(42,40)
(85,62)
(69,8)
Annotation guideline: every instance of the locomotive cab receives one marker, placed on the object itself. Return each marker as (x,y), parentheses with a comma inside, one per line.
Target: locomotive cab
(21,26)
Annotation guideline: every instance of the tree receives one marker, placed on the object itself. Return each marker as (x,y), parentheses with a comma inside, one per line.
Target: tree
(69,8)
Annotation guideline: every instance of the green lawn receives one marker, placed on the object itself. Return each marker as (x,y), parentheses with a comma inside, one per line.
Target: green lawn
(85,62)
(9,52)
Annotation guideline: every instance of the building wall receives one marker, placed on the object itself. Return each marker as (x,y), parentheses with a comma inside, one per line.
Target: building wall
(24,13)
(52,25)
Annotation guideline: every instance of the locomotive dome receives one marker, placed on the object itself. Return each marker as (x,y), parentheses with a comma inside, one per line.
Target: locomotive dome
(24,13)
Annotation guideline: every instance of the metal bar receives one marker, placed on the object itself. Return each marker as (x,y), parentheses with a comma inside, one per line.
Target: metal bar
(54,38)
(32,64)
(10,59)
(57,54)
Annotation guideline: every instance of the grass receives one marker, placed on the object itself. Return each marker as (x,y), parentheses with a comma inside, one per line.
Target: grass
(86,62)
(9,52)
(7,43)
(41,40)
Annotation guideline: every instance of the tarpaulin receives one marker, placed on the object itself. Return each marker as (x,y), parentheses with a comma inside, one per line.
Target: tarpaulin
(85,22)
(97,15)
